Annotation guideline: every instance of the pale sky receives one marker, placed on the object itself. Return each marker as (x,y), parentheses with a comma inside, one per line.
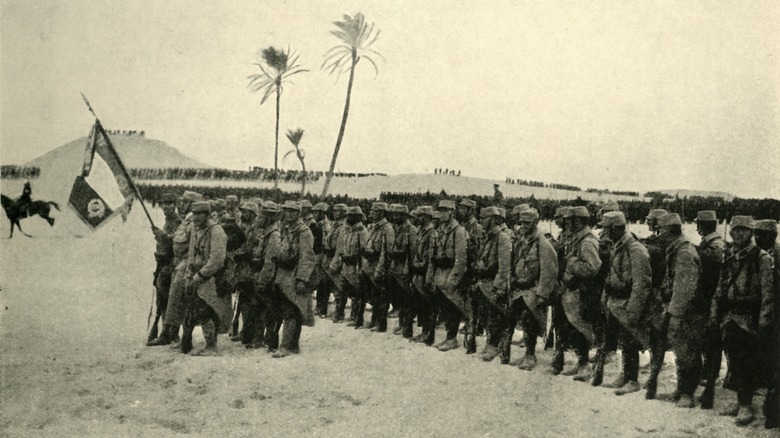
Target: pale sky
(623,95)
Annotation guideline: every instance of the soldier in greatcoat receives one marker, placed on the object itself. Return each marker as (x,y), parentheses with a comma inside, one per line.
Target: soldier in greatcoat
(766,239)
(323,284)
(205,305)
(268,240)
(425,302)
(332,248)
(400,255)
(163,275)
(348,264)
(446,272)
(375,266)
(743,307)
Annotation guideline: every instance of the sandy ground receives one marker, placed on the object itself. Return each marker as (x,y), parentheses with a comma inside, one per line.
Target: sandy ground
(72,363)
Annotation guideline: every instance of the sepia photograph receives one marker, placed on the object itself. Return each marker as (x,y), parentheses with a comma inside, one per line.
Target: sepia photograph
(348,218)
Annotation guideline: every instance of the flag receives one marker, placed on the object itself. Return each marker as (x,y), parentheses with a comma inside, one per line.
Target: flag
(104,188)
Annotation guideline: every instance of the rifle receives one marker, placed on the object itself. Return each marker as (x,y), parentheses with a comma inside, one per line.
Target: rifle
(155,329)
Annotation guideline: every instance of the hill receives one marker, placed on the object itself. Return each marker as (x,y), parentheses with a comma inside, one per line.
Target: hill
(136,151)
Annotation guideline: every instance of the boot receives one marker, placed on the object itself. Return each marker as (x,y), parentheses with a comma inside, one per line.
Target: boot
(288,335)
(685,401)
(529,363)
(745,415)
(419,338)
(729,410)
(186,339)
(556,366)
(617,383)
(583,374)
(282,352)
(164,338)
(628,388)
(489,353)
(598,368)
(398,329)
(437,346)
(210,334)
(449,344)
(470,343)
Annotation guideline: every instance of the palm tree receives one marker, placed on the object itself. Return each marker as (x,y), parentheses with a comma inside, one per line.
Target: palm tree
(295,139)
(356,39)
(276,67)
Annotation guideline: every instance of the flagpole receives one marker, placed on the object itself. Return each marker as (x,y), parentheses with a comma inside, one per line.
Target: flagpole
(119,161)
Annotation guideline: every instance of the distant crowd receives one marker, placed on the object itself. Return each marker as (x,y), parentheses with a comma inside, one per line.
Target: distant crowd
(253,174)
(524,182)
(19,172)
(440,171)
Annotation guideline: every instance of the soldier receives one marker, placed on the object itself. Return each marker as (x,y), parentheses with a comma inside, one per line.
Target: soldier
(375,265)
(711,254)
(582,291)
(205,307)
(627,299)
(333,247)
(425,303)
(295,263)
(400,254)
(324,285)
(231,213)
(175,310)
(246,297)
(766,239)
(446,272)
(515,215)
(163,255)
(563,331)
(534,283)
(498,197)
(476,236)
(349,264)
(743,307)
(306,214)
(492,271)
(268,240)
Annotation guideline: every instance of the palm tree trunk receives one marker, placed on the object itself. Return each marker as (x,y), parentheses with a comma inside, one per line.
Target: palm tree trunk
(276,137)
(303,179)
(329,175)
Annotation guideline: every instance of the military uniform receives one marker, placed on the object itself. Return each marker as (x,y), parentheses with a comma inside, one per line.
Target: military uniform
(324,285)
(400,254)
(174,312)
(163,275)
(770,342)
(743,306)
(333,247)
(582,291)
(295,264)
(375,268)
(446,272)
(492,272)
(348,263)
(205,305)
(627,293)
(425,303)
(246,296)
(264,252)
(711,255)
(535,282)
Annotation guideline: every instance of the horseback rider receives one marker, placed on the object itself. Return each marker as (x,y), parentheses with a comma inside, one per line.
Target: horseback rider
(23,202)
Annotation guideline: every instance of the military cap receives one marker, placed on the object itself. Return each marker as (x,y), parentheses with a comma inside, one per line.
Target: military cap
(292,205)
(232,198)
(201,207)
(425,209)
(212,203)
(610,205)
(399,208)
(320,206)
(258,201)
(706,215)
(220,203)
(767,225)
(191,196)
(379,206)
(168,197)
(250,206)
(501,212)
(743,221)
(579,211)
(669,219)
(656,213)
(560,212)
(495,185)
(271,207)
(468,203)
(517,209)
(488,212)
(305,203)
(613,219)
(355,210)
(529,215)
(446,204)
(340,207)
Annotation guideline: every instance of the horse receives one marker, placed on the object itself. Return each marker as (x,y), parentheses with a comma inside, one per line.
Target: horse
(15,214)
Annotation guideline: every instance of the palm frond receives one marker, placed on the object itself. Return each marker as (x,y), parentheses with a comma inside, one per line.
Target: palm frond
(288,153)
(356,35)
(376,69)
(295,136)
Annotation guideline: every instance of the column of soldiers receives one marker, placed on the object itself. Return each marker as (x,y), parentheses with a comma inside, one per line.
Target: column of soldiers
(608,291)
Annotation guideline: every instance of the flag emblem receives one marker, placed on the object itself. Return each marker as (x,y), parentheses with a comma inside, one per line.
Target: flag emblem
(104,188)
